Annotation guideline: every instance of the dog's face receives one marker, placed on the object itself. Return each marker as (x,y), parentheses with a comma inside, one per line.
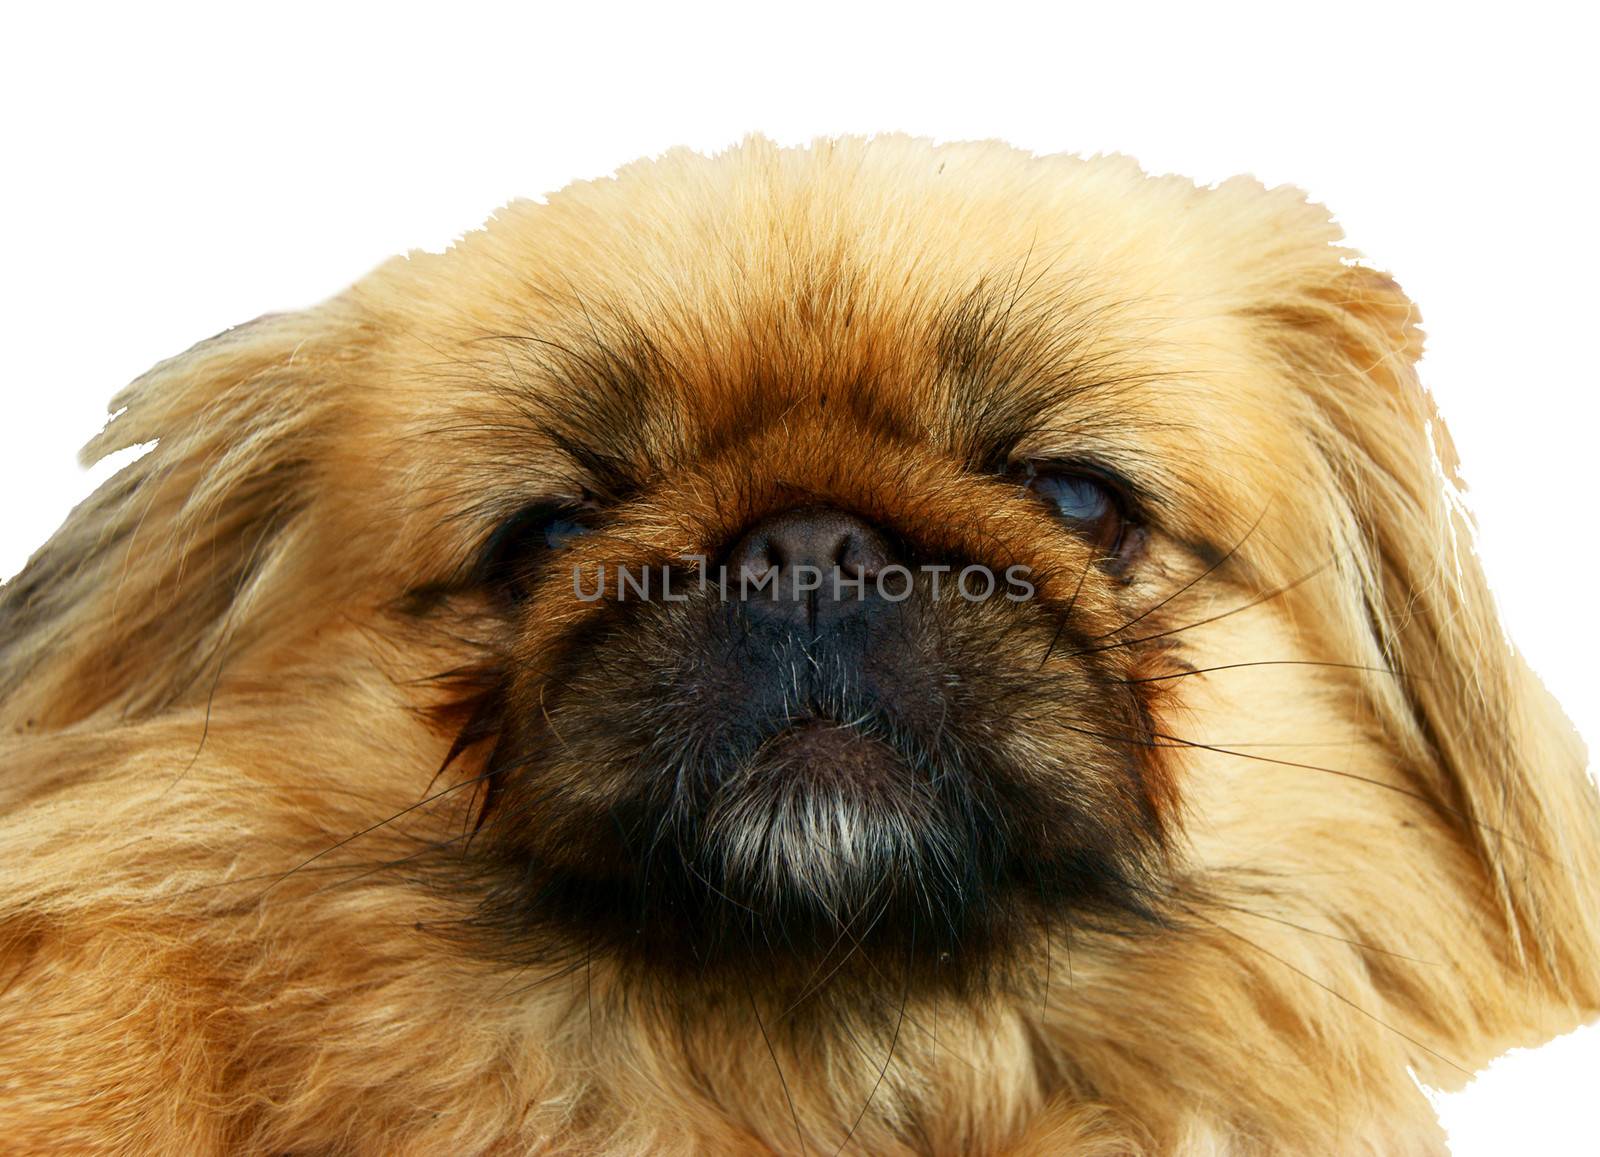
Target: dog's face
(860,579)
(1015,488)
(844,639)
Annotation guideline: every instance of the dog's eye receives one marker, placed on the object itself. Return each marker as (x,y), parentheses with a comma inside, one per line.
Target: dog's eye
(1085,503)
(520,542)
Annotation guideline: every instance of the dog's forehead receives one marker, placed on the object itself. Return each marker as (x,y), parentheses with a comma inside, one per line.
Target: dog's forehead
(973,300)
(979,371)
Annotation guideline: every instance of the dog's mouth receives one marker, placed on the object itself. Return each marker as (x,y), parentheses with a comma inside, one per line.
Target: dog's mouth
(839,843)
(821,833)
(820,752)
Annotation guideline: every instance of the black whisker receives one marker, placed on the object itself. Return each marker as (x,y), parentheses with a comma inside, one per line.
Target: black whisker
(1255,602)
(894,1041)
(381,823)
(1278,663)
(1333,992)
(1210,570)
(1365,947)
(1161,740)
(783,1082)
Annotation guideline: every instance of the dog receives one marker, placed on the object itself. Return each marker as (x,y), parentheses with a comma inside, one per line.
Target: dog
(872,647)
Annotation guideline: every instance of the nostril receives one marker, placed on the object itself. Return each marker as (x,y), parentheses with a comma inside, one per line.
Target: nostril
(822,540)
(863,555)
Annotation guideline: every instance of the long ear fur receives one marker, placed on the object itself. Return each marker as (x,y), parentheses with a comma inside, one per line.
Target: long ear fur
(138,595)
(1476,727)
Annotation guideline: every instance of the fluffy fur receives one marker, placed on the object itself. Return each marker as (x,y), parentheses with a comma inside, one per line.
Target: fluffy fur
(255,891)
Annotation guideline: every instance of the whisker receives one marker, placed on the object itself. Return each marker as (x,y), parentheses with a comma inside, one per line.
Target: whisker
(894,1041)
(1210,570)
(815,983)
(381,823)
(794,1113)
(564,971)
(1279,663)
(1066,615)
(1331,991)
(1365,947)
(1255,602)
(374,869)
(1409,793)
(910,1019)
(1162,740)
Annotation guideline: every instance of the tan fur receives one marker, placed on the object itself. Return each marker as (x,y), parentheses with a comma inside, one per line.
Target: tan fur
(207,685)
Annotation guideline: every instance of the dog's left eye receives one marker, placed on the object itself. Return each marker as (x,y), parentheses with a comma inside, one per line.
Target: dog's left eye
(1084,502)
(520,542)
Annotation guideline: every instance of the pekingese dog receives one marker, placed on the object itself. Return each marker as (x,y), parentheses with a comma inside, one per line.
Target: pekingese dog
(874,647)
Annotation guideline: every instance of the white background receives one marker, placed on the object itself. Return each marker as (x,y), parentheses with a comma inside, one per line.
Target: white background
(172,172)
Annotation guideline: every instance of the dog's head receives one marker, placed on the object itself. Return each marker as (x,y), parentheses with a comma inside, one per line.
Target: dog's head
(872,567)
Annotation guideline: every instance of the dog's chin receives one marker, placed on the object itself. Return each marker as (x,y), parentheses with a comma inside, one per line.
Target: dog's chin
(828,851)
(824,826)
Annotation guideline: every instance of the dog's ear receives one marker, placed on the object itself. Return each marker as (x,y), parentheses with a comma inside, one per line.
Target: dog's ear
(139,593)
(1481,734)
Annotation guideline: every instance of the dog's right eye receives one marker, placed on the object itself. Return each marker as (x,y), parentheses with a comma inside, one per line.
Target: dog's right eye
(520,543)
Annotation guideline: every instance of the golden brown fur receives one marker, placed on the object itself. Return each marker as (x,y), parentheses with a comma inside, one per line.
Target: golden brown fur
(220,679)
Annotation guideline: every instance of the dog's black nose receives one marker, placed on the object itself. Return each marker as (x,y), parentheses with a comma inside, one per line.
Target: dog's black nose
(807,566)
